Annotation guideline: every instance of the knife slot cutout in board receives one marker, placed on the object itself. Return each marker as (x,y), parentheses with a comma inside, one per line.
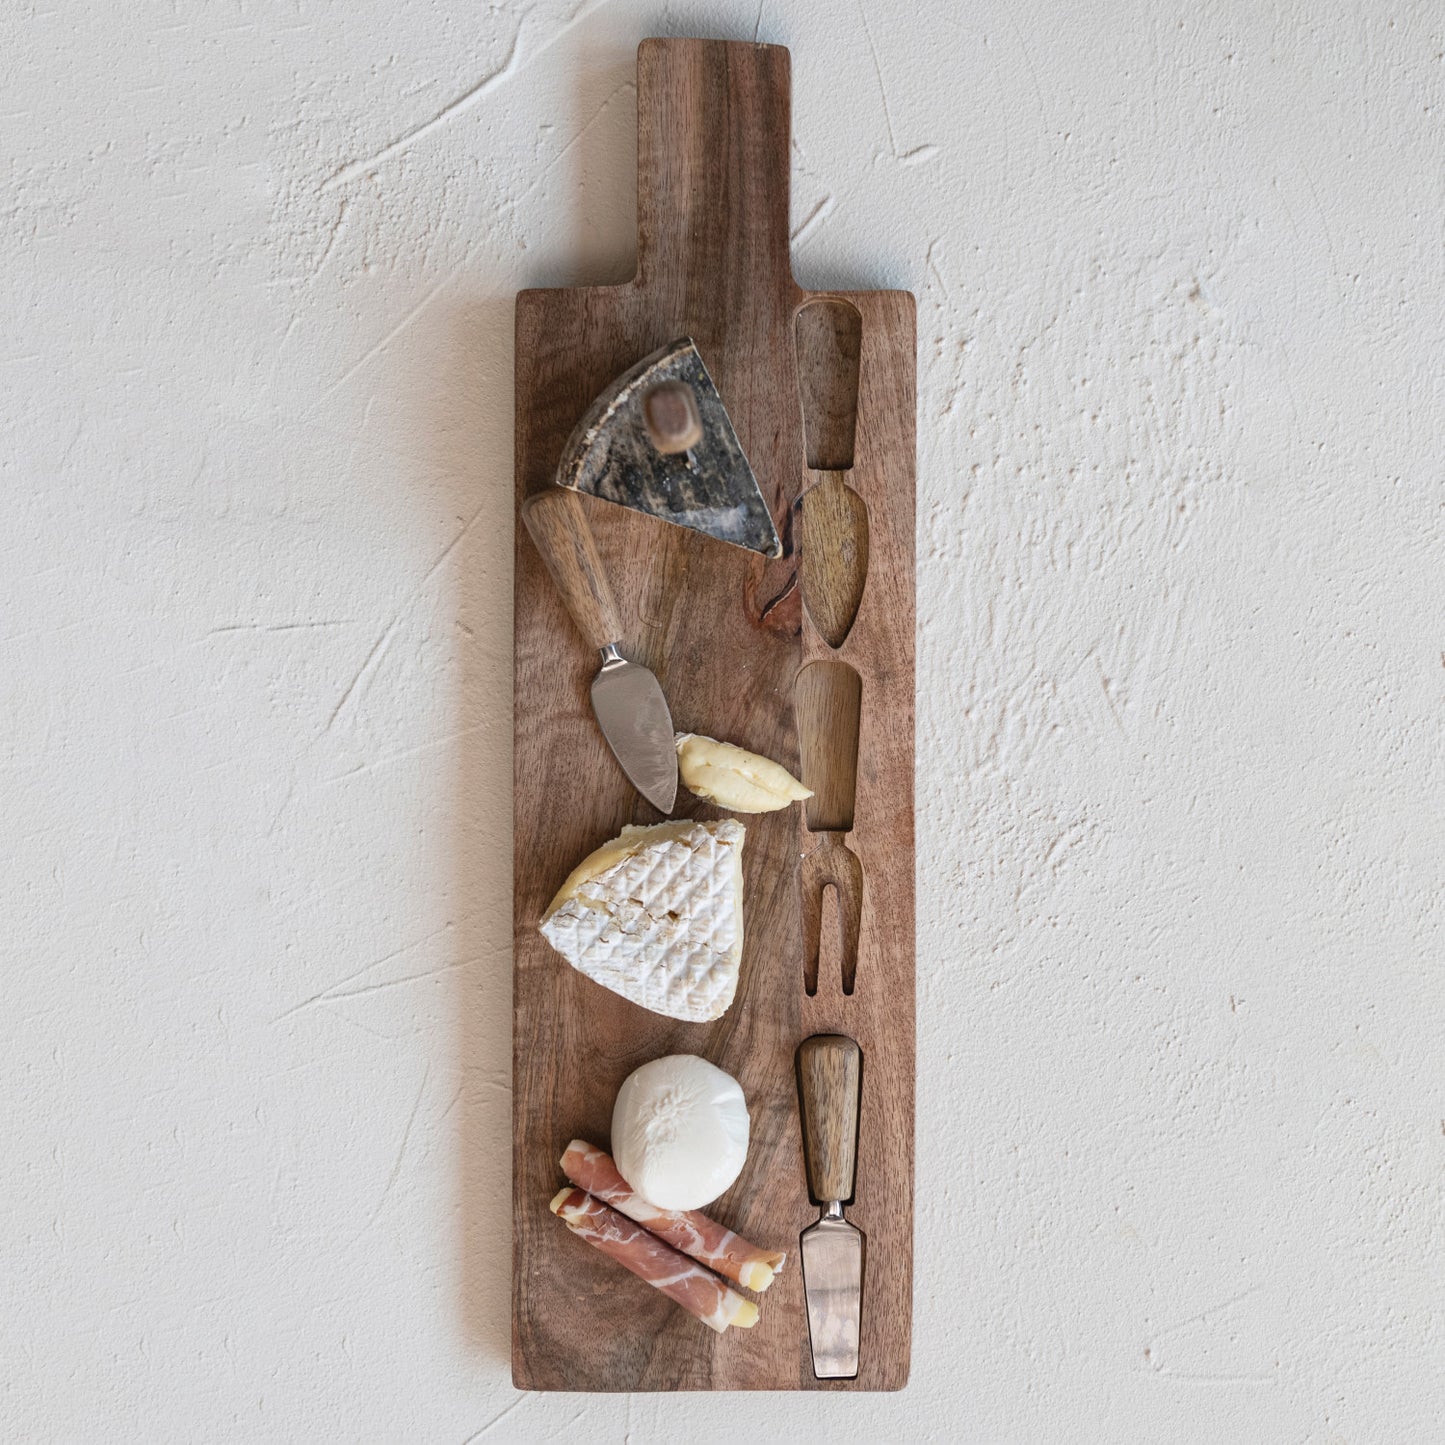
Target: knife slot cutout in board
(832,517)
(828,698)
(828,334)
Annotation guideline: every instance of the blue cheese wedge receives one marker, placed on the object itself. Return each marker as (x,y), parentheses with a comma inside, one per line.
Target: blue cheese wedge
(656,915)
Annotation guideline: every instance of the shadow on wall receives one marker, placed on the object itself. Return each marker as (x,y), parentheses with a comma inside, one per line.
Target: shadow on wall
(470,427)
(588,202)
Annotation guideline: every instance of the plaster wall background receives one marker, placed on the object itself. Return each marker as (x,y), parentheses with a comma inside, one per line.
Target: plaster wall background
(1181,604)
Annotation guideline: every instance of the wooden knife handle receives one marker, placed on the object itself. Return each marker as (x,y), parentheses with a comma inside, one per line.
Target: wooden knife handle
(559,528)
(830,1067)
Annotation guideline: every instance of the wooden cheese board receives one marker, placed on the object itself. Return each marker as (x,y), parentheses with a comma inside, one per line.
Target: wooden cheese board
(807,659)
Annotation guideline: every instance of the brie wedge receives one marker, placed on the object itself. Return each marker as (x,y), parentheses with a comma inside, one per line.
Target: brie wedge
(657,916)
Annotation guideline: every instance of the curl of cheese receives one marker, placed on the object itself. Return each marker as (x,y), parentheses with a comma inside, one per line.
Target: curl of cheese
(734,778)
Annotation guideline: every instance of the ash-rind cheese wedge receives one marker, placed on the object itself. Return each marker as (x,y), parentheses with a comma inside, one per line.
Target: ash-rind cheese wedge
(656,915)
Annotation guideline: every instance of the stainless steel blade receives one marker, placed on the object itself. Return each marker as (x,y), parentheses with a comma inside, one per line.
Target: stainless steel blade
(832,1253)
(635,720)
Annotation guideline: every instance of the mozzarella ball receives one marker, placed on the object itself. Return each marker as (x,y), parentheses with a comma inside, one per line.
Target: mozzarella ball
(680,1131)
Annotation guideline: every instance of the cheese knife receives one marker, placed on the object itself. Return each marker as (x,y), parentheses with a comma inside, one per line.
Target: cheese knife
(830,1068)
(658,440)
(626,696)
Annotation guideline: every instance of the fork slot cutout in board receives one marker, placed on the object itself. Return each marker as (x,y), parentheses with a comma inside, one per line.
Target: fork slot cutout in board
(832,882)
(828,699)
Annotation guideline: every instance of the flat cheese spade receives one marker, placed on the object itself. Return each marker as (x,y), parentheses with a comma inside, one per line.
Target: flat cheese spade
(829,1073)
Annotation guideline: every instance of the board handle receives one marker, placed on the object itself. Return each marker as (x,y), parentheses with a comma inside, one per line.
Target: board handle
(558,525)
(830,1068)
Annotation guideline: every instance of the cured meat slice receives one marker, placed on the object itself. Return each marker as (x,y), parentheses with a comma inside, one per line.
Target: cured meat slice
(697,1290)
(691,1231)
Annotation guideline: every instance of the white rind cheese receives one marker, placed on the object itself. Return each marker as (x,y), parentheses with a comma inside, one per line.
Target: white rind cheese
(657,916)
(680,1131)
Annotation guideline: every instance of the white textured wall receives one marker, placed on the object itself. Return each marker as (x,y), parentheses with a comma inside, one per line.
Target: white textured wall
(1181,610)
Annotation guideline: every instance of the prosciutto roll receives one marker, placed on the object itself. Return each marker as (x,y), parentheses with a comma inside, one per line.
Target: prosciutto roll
(691,1231)
(697,1290)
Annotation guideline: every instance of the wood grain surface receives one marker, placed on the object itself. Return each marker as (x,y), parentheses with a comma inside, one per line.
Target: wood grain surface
(833,530)
(828,703)
(557,523)
(726,633)
(830,1068)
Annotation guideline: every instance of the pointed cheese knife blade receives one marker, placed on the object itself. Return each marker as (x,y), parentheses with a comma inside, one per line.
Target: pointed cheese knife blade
(635,720)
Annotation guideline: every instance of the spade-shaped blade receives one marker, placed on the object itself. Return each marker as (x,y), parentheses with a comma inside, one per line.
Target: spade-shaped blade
(832,1253)
(710,488)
